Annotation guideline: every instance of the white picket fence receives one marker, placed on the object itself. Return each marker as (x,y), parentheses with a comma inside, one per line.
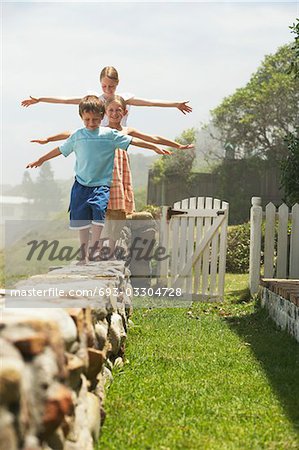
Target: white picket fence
(281,247)
(195,237)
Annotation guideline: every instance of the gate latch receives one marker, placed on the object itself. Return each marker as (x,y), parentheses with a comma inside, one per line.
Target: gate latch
(174,212)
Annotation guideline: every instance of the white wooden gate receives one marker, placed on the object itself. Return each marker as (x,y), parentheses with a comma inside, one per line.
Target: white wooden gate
(281,244)
(194,234)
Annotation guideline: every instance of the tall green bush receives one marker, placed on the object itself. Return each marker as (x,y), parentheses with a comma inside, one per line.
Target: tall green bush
(238,248)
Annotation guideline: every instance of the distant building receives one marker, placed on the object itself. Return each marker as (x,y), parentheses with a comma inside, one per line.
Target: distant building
(14,208)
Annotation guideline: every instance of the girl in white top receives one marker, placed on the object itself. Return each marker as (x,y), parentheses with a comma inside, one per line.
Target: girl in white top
(109,81)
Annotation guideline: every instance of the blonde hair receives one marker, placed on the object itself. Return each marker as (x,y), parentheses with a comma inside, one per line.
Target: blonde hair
(91,103)
(109,72)
(118,99)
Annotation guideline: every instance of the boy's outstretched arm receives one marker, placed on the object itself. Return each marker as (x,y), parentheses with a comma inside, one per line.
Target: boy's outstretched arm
(55,137)
(66,101)
(182,106)
(52,154)
(157,139)
(143,144)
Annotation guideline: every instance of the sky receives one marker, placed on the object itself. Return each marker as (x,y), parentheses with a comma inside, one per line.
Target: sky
(199,51)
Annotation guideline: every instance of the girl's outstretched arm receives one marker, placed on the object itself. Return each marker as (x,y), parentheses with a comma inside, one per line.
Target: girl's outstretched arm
(182,106)
(157,139)
(65,101)
(143,144)
(52,154)
(55,137)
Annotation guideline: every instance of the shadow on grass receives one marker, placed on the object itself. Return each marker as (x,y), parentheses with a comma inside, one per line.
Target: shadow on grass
(239,296)
(278,354)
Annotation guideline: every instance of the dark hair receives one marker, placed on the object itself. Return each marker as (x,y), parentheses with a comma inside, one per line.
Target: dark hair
(109,72)
(91,103)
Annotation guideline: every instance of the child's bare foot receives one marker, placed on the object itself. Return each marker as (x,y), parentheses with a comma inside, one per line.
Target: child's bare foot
(82,262)
(94,256)
(103,255)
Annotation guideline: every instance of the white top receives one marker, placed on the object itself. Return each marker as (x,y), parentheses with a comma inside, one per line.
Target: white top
(126,96)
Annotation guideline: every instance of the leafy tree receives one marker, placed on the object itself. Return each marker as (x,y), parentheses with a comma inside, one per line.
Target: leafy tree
(180,162)
(290,170)
(187,137)
(294,66)
(290,165)
(256,118)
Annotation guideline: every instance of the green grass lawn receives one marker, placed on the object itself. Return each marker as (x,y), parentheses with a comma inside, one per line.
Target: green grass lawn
(212,376)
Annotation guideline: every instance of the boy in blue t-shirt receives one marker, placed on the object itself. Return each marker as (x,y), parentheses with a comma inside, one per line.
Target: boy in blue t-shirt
(94,147)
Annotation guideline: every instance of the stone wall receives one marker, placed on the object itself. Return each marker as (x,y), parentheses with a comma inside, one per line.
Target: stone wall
(57,355)
(281,298)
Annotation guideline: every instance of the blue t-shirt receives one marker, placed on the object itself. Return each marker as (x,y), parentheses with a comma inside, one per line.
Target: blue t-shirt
(94,150)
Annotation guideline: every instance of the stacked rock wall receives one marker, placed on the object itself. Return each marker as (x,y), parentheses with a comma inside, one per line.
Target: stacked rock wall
(281,298)
(55,354)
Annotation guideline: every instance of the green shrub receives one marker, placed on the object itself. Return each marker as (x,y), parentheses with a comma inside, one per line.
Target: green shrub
(154,210)
(140,198)
(238,245)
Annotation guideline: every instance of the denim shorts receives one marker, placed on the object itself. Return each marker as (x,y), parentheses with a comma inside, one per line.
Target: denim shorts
(88,205)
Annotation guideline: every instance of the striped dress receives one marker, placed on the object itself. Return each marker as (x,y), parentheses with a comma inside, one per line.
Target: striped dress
(121,190)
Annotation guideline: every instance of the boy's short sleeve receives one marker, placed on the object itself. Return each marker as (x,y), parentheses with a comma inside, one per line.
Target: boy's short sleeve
(67,147)
(121,140)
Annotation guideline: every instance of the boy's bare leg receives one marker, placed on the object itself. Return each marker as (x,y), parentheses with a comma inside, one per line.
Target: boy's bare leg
(84,239)
(112,244)
(96,231)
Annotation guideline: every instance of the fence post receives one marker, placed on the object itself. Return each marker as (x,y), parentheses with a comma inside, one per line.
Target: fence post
(256,215)
(294,246)
(269,249)
(162,270)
